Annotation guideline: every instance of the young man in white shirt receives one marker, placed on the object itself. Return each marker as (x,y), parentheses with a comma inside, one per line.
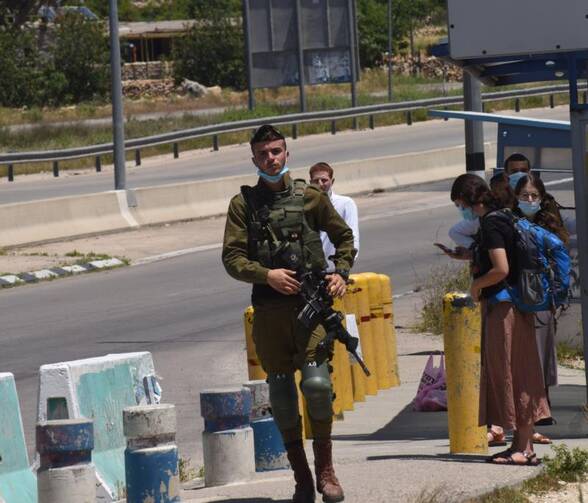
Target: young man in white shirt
(321,174)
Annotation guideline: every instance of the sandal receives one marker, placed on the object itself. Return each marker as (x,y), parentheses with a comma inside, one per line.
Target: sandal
(540,439)
(502,454)
(531,459)
(496,439)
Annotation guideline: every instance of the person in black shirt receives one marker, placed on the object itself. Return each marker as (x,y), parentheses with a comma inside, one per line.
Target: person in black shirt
(512,394)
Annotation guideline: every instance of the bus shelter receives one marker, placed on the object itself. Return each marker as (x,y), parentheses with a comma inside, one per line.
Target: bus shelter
(551,145)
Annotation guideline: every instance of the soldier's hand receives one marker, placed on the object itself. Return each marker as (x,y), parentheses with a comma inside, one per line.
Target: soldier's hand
(337,285)
(284,281)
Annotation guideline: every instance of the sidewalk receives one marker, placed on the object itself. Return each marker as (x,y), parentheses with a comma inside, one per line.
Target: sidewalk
(385,453)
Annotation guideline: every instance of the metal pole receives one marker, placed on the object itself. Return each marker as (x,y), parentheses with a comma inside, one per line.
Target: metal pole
(118,126)
(352,55)
(248,55)
(474,132)
(579,120)
(390,50)
(300,48)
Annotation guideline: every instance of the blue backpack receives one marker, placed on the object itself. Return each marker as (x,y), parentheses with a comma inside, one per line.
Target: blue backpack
(543,267)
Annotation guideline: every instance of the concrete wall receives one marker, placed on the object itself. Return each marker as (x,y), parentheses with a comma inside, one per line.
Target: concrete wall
(65,217)
(50,219)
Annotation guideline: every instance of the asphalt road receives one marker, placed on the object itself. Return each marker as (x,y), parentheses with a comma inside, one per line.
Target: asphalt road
(188,312)
(233,160)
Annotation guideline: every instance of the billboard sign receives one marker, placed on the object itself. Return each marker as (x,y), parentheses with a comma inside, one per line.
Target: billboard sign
(275,28)
(479,28)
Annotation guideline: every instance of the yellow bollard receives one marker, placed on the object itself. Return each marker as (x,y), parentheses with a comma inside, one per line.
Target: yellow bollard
(389,330)
(344,371)
(365,332)
(357,375)
(378,330)
(253,365)
(462,339)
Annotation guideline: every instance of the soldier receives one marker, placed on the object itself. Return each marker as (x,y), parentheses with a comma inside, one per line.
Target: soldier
(276,214)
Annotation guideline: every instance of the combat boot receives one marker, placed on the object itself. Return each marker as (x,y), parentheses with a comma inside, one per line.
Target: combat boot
(304,491)
(326,481)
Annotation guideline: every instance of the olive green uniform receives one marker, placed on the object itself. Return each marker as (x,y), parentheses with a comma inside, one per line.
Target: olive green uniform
(282,343)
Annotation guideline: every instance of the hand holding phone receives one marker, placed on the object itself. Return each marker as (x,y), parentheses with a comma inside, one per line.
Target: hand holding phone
(449,251)
(459,253)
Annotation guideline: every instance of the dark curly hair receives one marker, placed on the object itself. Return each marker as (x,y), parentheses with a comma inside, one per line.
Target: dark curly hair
(266,133)
(548,216)
(502,191)
(473,189)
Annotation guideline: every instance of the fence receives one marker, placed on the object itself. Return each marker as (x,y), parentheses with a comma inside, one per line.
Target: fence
(174,138)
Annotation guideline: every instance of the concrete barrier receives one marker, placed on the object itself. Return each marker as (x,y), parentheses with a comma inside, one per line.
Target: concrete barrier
(151,457)
(227,439)
(185,201)
(98,389)
(66,473)
(17,482)
(49,219)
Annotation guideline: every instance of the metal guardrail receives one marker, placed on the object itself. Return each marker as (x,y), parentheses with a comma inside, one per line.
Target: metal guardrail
(214,130)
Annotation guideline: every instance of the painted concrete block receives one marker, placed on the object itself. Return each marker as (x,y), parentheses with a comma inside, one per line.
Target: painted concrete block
(228,456)
(225,408)
(270,453)
(98,389)
(18,484)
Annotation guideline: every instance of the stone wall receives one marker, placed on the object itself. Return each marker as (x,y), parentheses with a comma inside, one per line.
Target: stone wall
(148,70)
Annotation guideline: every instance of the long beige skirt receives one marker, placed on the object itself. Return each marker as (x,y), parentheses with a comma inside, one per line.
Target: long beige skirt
(512,390)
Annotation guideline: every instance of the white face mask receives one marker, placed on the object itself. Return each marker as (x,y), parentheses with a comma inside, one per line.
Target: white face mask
(273,178)
(529,208)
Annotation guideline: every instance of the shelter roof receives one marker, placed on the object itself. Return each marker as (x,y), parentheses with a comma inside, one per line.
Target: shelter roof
(518,69)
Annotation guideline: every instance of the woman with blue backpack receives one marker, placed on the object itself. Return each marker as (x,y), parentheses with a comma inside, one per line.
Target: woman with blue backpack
(539,207)
(512,393)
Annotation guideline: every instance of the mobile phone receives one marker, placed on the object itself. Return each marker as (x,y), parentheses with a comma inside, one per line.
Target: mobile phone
(444,248)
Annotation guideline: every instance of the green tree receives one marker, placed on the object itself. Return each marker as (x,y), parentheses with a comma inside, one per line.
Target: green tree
(21,74)
(407,16)
(212,51)
(80,54)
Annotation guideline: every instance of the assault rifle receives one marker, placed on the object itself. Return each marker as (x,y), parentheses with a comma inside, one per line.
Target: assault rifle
(319,309)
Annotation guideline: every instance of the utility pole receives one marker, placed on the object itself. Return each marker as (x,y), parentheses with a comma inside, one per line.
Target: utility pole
(474,132)
(389,50)
(118,125)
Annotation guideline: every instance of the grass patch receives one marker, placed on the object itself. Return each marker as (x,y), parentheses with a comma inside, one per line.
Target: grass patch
(570,356)
(74,253)
(187,472)
(442,279)
(502,495)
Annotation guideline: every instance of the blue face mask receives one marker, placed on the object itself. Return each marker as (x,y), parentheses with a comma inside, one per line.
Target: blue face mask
(467,213)
(513,179)
(529,208)
(273,178)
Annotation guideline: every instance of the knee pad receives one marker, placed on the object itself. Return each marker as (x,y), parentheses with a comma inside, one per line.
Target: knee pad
(317,389)
(284,400)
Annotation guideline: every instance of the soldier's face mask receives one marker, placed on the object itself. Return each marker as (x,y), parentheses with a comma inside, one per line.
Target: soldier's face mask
(273,178)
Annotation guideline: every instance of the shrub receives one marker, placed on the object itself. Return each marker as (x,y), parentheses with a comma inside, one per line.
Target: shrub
(440,281)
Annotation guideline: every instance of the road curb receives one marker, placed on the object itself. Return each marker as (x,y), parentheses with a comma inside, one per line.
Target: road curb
(23,278)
